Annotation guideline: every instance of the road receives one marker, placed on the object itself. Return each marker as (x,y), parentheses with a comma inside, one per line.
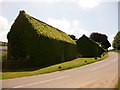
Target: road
(3,48)
(102,74)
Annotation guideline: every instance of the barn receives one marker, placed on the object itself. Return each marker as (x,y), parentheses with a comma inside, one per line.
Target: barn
(33,41)
(88,48)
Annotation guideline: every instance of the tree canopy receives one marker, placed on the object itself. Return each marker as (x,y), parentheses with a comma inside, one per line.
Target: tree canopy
(3,43)
(102,39)
(73,37)
(116,41)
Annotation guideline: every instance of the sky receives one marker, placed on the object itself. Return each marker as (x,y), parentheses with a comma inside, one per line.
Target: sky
(75,17)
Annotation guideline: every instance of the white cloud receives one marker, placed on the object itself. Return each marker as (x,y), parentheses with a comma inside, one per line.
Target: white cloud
(3,35)
(111,38)
(68,26)
(53,1)
(41,1)
(85,4)
(3,23)
(88,4)
(4,28)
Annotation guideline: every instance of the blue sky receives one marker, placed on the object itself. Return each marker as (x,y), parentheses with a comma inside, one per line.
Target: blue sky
(76,17)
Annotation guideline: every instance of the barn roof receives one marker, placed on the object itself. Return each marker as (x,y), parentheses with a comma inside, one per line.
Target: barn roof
(84,38)
(47,30)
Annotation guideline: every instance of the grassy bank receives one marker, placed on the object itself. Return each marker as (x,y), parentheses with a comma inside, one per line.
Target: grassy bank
(118,85)
(64,66)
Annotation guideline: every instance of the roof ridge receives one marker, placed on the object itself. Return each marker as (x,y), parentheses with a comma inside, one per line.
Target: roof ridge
(89,39)
(48,24)
(52,32)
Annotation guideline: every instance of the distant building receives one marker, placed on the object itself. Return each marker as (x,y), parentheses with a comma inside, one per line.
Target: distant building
(88,48)
(38,43)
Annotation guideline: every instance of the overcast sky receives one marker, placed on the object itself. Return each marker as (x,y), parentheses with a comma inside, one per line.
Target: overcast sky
(76,17)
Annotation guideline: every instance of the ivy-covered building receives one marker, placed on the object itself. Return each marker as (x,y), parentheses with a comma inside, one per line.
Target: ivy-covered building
(32,42)
(38,43)
(88,48)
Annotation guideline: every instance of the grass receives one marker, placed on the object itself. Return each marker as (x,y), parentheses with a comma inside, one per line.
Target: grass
(64,66)
(118,85)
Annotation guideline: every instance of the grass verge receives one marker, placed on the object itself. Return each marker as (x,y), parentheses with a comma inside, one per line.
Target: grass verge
(118,85)
(64,66)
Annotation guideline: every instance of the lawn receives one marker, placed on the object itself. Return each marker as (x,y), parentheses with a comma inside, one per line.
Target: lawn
(64,66)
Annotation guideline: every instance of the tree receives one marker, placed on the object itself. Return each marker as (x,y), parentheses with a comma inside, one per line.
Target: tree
(3,43)
(116,41)
(73,37)
(102,39)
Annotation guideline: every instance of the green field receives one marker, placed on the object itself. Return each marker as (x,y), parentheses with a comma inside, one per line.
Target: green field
(8,74)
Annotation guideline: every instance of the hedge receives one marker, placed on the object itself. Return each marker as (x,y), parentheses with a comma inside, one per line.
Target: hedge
(38,43)
(88,48)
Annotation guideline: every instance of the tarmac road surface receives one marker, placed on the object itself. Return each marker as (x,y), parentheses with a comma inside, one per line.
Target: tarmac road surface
(102,74)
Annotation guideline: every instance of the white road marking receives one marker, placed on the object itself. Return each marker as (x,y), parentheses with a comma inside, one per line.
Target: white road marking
(103,65)
(115,60)
(99,67)
(42,81)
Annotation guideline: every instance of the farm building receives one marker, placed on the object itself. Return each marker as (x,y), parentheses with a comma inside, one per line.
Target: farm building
(38,43)
(88,48)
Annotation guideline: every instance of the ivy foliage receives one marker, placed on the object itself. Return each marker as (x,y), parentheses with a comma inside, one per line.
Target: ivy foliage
(88,48)
(38,43)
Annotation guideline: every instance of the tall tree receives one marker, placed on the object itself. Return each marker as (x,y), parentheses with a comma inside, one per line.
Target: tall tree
(73,37)
(102,39)
(116,41)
